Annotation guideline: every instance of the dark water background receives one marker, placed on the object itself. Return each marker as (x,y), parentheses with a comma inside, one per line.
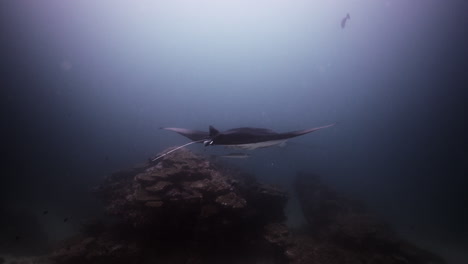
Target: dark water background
(86,85)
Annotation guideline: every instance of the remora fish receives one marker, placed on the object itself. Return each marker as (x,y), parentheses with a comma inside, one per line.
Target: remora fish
(236,155)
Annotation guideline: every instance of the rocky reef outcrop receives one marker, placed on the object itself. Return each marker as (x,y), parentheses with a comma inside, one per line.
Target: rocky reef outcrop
(342,230)
(182,209)
(185,208)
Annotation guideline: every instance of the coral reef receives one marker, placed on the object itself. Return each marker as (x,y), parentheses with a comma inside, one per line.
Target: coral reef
(181,209)
(187,209)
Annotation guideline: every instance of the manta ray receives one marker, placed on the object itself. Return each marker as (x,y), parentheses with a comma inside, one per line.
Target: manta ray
(244,137)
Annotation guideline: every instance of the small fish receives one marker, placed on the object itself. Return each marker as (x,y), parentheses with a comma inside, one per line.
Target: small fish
(17,237)
(45,212)
(65,219)
(344,20)
(236,155)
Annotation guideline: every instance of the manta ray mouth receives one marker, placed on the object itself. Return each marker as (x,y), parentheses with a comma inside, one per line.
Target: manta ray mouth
(264,144)
(208,142)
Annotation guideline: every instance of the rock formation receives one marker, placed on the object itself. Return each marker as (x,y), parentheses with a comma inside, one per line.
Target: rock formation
(182,209)
(342,230)
(188,209)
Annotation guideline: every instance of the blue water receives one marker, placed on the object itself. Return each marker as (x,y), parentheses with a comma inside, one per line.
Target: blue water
(86,86)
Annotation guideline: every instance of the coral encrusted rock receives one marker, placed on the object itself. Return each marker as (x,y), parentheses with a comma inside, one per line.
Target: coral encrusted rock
(183,208)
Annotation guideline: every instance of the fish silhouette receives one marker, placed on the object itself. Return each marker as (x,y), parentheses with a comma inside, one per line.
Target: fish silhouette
(344,20)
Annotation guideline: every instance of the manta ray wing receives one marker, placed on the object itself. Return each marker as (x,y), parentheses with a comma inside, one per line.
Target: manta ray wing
(252,138)
(194,135)
(303,132)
